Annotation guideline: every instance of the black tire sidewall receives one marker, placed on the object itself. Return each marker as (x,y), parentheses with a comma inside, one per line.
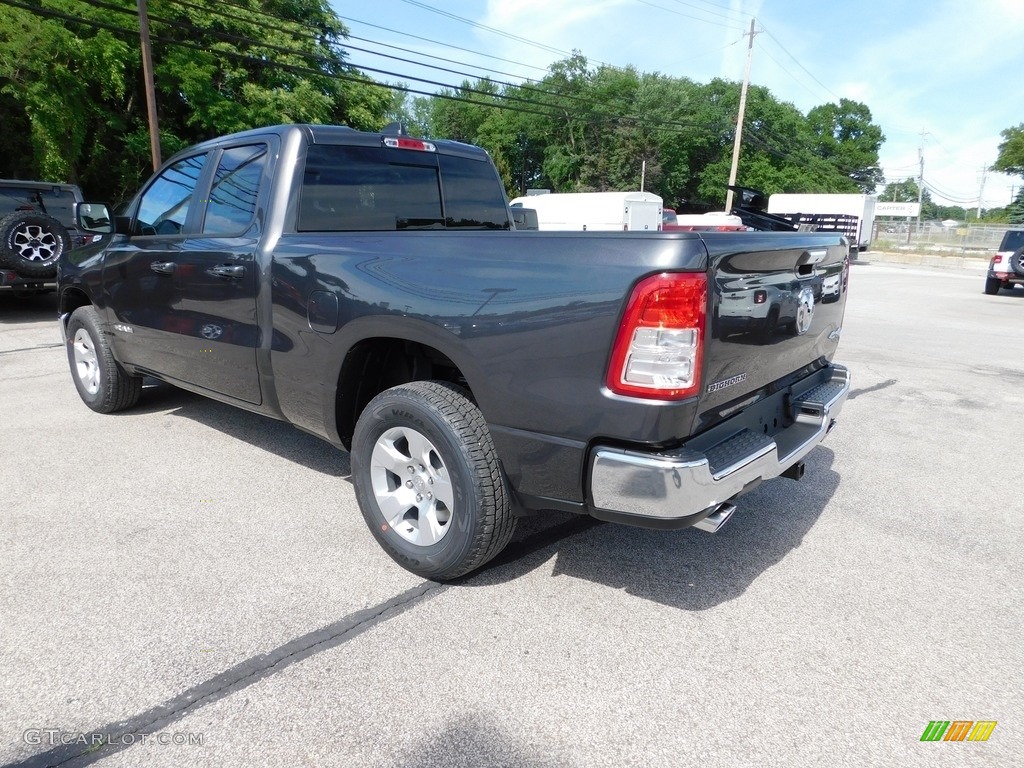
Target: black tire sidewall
(1017,262)
(84,319)
(9,255)
(400,409)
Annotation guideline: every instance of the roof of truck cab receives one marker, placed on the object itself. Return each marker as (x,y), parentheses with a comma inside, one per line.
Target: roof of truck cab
(336,134)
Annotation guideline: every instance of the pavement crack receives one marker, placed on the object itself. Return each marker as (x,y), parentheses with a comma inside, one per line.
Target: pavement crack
(30,349)
(118,736)
(115,737)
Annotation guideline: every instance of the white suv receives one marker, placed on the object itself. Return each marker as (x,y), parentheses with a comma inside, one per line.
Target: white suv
(1007,267)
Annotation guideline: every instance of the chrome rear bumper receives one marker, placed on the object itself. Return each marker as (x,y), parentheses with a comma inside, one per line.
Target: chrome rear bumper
(680,485)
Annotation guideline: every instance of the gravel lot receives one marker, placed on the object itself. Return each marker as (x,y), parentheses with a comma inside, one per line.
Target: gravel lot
(189,572)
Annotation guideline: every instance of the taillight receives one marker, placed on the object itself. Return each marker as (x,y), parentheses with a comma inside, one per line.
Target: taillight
(404,143)
(997,259)
(658,349)
(760,296)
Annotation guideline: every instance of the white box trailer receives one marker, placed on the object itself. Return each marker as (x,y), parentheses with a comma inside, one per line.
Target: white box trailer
(814,210)
(595,211)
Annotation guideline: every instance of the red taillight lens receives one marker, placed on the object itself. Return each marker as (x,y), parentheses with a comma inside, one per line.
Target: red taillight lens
(997,259)
(659,346)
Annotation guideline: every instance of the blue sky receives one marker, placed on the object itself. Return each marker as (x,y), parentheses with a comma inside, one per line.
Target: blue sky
(947,68)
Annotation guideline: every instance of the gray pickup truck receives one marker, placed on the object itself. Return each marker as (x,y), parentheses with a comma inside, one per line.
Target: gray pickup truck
(370,288)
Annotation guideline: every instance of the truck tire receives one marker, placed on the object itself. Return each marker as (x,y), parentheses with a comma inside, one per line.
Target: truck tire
(427,480)
(992,285)
(770,325)
(32,243)
(1017,262)
(100,380)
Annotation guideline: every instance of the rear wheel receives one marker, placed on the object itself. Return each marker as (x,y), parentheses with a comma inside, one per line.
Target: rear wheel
(427,480)
(100,380)
(992,285)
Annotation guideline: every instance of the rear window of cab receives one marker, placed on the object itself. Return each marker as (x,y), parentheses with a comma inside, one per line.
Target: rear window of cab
(354,189)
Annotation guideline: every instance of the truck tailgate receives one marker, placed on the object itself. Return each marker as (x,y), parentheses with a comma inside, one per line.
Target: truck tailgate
(776,312)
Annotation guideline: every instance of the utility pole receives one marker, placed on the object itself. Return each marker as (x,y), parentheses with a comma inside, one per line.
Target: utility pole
(981,192)
(920,179)
(739,120)
(147,74)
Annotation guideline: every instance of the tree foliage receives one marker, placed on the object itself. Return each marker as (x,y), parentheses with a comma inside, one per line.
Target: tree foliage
(1015,211)
(72,101)
(70,72)
(582,129)
(1011,152)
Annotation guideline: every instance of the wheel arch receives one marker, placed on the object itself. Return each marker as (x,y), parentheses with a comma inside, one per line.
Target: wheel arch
(71,298)
(379,362)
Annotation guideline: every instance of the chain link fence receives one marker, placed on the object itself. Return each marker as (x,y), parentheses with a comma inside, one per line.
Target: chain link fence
(978,240)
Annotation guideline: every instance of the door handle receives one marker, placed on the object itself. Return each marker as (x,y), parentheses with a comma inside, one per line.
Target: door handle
(233,271)
(163,267)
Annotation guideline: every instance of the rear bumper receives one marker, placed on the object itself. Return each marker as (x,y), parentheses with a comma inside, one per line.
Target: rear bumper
(1006,277)
(11,279)
(682,487)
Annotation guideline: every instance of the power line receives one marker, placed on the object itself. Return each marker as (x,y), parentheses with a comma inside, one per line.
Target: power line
(383,28)
(445,45)
(689,16)
(346,46)
(798,63)
(528,89)
(661,125)
(493,30)
(794,77)
(719,8)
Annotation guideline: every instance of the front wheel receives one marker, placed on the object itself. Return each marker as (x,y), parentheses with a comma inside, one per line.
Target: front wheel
(427,480)
(100,380)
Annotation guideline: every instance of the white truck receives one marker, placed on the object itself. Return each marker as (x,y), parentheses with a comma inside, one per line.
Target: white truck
(595,211)
(816,210)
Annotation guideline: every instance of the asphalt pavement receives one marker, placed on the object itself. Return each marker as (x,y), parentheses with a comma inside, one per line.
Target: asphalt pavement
(190,584)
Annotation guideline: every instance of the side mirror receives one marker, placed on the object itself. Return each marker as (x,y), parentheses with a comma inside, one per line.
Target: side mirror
(94,217)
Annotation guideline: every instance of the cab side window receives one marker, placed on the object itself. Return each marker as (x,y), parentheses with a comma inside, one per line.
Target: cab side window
(164,206)
(235,191)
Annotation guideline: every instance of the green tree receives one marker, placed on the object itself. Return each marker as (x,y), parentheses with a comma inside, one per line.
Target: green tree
(1011,152)
(72,70)
(1015,211)
(844,135)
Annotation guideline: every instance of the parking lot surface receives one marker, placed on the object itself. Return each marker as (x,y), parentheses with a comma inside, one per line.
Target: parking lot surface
(190,584)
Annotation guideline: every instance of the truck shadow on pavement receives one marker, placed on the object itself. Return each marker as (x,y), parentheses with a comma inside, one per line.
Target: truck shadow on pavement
(263,432)
(688,569)
(41,309)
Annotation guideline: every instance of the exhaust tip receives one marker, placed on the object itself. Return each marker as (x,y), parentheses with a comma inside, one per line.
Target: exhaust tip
(719,517)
